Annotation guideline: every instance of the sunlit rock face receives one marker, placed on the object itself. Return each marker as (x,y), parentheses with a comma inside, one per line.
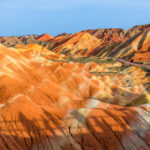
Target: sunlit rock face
(44,37)
(55,105)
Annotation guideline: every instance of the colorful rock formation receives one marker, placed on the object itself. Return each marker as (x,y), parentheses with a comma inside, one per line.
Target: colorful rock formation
(132,44)
(55,105)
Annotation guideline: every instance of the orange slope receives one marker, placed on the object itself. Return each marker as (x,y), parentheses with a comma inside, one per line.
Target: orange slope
(80,44)
(44,37)
(47,105)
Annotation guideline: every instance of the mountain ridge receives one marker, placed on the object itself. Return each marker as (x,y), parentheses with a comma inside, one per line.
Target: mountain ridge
(111,42)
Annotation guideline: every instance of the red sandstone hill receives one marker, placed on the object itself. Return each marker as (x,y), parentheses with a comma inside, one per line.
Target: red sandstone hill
(79,44)
(136,49)
(49,105)
(117,34)
(44,37)
(113,35)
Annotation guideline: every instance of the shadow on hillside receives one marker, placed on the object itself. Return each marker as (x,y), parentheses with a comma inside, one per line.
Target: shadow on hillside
(101,130)
(121,97)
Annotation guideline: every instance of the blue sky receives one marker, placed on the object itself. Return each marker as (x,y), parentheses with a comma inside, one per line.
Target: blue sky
(21,17)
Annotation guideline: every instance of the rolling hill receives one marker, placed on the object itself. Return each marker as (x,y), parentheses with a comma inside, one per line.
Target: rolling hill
(63,104)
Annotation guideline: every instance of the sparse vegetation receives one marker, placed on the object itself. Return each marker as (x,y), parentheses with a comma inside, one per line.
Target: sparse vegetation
(104,73)
(90,59)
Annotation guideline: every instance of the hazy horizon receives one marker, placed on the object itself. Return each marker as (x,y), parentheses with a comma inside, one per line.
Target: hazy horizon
(55,17)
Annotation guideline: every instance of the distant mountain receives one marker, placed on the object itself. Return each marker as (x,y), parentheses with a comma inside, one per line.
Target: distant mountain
(132,44)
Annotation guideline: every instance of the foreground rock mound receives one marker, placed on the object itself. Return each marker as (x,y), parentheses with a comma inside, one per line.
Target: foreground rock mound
(48,105)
